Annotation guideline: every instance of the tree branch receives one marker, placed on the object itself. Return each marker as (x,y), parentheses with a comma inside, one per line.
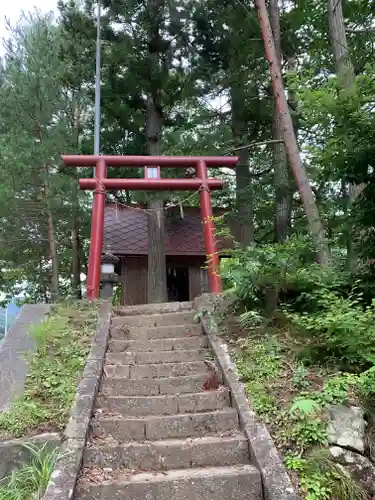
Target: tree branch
(254,144)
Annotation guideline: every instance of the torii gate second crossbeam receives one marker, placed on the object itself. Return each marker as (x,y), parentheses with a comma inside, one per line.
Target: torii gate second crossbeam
(100,183)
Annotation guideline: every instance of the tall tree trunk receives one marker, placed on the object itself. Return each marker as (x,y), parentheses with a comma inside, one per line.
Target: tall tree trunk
(76,260)
(245,228)
(54,287)
(157,272)
(290,140)
(283,199)
(346,78)
(42,281)
(344,67)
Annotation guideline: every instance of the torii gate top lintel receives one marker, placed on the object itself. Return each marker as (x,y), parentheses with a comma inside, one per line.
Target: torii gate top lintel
(161,161)
(100,183)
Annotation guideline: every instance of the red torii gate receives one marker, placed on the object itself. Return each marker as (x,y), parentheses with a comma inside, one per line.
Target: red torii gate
(100,183)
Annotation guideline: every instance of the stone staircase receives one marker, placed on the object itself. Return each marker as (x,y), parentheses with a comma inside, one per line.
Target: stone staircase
(156,433)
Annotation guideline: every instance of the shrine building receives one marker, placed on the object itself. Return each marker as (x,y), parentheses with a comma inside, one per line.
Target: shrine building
(126,236)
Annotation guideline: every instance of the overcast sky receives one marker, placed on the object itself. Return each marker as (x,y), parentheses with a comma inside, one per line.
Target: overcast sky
(11,9)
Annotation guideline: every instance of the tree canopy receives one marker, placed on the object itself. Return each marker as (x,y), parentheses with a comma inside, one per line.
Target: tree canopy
(185,77)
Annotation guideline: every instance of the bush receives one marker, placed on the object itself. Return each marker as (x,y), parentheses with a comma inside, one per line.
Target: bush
(325,307)
(339,328)
(263,277)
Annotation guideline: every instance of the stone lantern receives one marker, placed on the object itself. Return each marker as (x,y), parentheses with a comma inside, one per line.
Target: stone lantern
(108,277)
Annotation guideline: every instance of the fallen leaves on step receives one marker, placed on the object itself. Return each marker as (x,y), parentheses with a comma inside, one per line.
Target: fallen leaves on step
(212,382)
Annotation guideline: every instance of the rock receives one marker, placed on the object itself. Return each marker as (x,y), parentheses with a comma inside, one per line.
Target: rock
(346,427)
(359,467)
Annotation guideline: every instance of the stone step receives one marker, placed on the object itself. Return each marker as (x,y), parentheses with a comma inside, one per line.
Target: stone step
(212,483)
(154,357)
(164,405)
(166,307)
(170,453)
(153,386)
(151,320)
(120,331)
(172,344)
(158,370)
(165,427)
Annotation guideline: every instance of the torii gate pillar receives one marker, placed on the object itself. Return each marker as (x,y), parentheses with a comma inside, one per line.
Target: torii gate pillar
(101,183)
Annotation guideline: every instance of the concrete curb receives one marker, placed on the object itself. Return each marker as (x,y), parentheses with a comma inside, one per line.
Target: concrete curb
(276,481)
(16,343)
(65,474)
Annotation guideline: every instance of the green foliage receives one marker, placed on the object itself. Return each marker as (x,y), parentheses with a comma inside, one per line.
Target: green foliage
(116,298)
(321,478)
(39,200)
(339,328)
(259,275)
(259,365)
(315,485)
(304,432)
(30,482)
(335,390)
(62,345)
(304,407)
(299,378)
(259,359)
(262,402)
(250,319)
(331,322)
(366,383)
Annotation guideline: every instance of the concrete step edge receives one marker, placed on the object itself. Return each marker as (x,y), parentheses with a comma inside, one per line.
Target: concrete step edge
(236,482)
(178,378)
(194,472)
(127,332)
(164,363)
(222,390)
(229,411)
(157,319)
(167,404)
(151,345)
(171,453)
(143,309)
(141,371)
(157,357)
(237,436)
(154,386)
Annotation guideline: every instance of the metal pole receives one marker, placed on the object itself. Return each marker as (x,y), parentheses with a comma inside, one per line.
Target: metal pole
(97,85)
(99,171)
(6,321)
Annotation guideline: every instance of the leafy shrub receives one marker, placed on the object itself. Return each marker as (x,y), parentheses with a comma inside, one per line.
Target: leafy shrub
(321,478)
(299,379)
(302,430)
(339,328)
(261,277)
(335,391)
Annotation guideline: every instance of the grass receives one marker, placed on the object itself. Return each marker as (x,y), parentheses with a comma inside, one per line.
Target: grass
(30,482)
(62,344)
